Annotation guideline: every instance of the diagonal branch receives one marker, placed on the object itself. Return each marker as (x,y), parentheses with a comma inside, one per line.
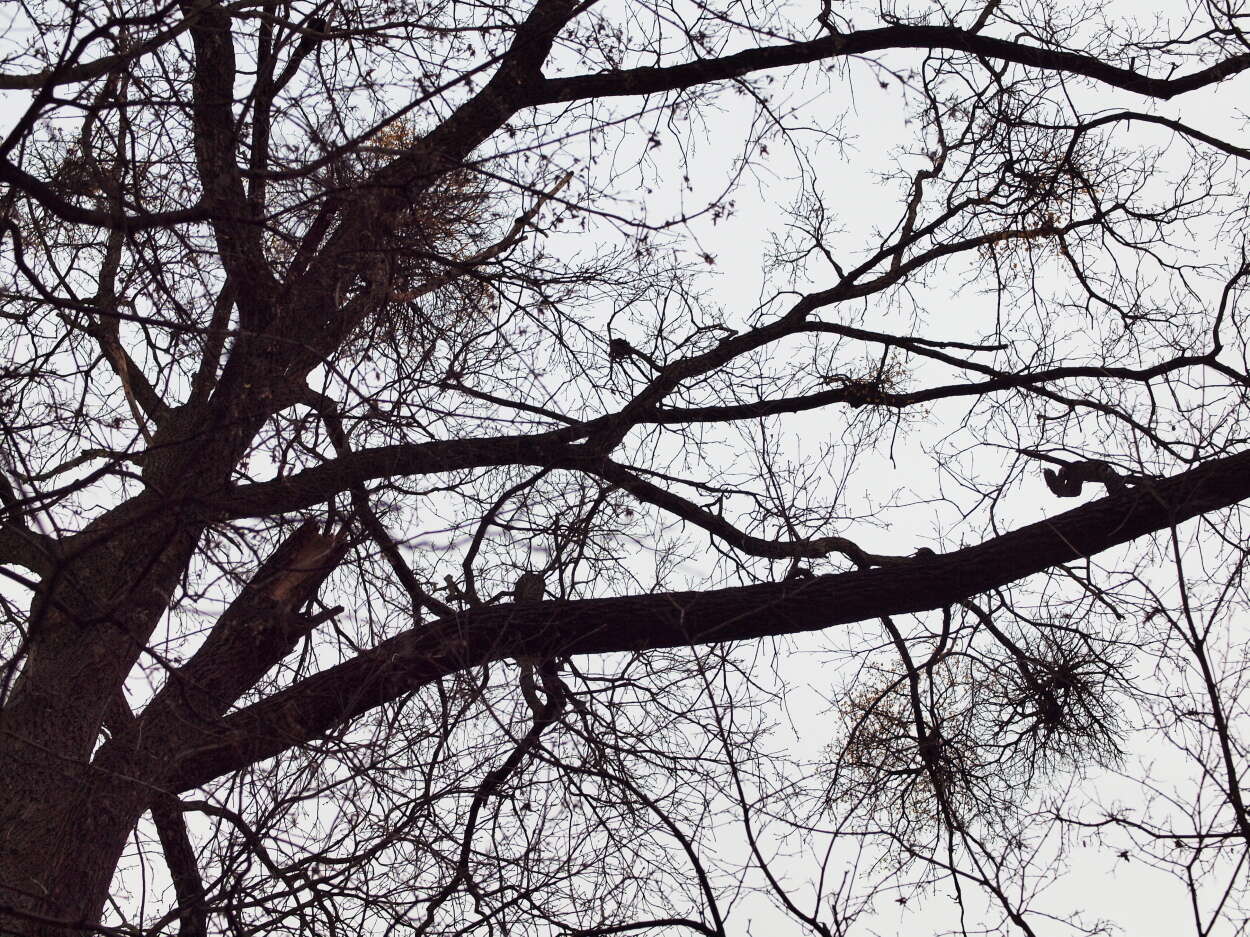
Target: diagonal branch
(256,631)
(171,828)
(380,201)
(369,519)
(631,623)
(769,548)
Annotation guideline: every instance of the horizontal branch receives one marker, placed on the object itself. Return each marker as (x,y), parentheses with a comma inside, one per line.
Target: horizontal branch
(866,391)
(634,81)
(320,482)
(406,662)
(556,450)
(23,546)
(53,201)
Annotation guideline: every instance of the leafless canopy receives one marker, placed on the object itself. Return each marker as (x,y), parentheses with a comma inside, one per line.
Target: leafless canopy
(621,467)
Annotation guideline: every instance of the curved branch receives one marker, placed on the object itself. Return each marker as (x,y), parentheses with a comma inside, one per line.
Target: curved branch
(816,547)
(635,81)
(52,200)
(1176,126)
(62,74)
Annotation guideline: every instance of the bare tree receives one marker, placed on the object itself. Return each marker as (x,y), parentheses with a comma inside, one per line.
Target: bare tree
(330,325)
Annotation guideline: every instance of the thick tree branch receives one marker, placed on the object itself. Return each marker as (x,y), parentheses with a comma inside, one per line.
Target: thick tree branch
(632,623)
(316,484)
(377,204)
(258,629)
(238,239)
(184,871)
(171,828)
(554,450)
(20,544)
(636,81)
(52,200)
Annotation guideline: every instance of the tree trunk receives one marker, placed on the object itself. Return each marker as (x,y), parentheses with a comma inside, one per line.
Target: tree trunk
(64,814)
